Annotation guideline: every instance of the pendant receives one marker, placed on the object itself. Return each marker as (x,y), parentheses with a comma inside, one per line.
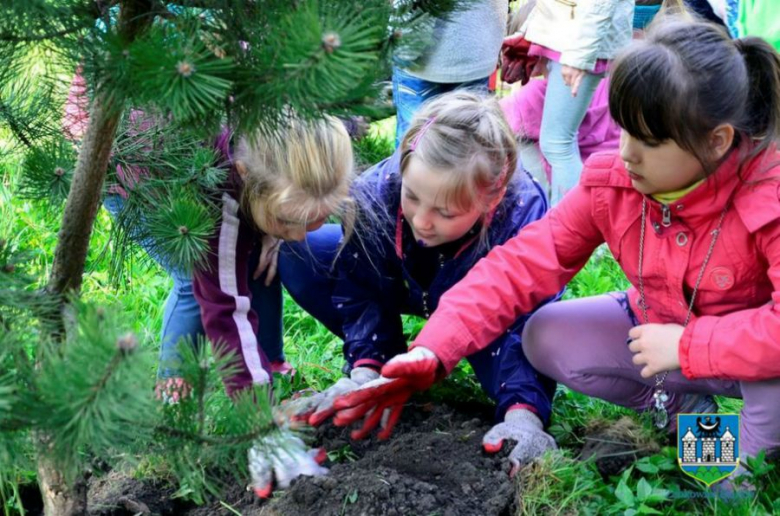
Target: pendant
(660,416)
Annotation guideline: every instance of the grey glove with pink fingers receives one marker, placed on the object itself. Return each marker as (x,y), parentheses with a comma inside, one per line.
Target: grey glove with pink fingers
(524,428)
(317,408)
(282,456)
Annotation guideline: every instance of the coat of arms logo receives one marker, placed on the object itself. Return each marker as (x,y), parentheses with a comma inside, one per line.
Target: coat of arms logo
(708,445)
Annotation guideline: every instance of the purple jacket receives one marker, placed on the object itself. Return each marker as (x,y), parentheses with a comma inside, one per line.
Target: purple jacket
(222,287)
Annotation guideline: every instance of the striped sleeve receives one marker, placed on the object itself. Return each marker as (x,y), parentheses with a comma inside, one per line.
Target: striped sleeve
(222,290)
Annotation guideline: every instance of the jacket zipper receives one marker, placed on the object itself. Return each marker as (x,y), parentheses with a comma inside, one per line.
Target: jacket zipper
(666,216)
(426,310)
(568,3)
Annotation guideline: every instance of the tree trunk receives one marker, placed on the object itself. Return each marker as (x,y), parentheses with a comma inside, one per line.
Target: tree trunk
(60,497)
(83,200)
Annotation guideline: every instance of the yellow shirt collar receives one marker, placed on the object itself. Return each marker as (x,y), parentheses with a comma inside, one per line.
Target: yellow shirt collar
(668,197)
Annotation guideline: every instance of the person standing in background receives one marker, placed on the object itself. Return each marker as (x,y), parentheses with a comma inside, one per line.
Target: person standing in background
(575,42)
(463,55)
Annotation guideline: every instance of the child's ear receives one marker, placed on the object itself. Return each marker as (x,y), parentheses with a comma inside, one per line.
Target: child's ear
(721,140)
(241,169)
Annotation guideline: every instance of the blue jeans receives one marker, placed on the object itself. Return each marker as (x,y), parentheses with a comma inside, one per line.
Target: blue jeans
(561,120)
(409,93)
(181,313)
(504,373)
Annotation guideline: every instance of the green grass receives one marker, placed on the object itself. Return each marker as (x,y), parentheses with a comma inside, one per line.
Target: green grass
(558,484)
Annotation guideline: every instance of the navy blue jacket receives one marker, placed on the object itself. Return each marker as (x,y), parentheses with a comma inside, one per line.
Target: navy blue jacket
(374,283)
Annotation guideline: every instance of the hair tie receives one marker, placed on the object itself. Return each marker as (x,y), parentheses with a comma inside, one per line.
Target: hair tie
(420,134)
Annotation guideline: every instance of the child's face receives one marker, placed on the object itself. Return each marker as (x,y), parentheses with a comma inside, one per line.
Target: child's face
(287,225)
(658,168)
(433,222)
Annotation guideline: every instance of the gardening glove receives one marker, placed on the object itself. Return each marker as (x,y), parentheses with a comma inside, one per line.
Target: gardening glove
(526,429)
(282,456)
(382,400)
(516,64)
(319,407)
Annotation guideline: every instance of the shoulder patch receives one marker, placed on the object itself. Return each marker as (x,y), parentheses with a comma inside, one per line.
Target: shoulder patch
(758,204)
(605,169)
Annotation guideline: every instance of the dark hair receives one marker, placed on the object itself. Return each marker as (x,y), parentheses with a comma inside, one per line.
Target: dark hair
(687,77)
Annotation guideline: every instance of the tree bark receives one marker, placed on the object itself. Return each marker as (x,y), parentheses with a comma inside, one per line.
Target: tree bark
(60,497)
(83,200)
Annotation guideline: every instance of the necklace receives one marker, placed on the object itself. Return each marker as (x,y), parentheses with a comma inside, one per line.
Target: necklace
(660,396)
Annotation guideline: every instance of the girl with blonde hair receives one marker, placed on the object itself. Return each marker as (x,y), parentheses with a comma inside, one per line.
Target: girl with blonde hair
(280,186)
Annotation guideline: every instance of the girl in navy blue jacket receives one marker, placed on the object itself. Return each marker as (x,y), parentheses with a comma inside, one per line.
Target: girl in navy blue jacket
(452,191)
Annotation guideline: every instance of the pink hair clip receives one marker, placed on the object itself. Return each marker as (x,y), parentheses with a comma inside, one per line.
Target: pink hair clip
(420,134)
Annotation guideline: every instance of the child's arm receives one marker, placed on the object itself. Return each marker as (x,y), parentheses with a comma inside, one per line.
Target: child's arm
(366,287)
(222,291)
(512,280)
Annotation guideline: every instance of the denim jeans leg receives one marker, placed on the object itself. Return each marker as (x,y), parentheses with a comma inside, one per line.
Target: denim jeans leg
(561,120)
(409,93)
(182,325)
(181,314)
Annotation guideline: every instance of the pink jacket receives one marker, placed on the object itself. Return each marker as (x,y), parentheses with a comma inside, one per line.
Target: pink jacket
(735,329)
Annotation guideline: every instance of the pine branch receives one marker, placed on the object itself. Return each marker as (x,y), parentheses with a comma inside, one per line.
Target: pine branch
(14,125)
(232,440)
(81,208)
(12,38)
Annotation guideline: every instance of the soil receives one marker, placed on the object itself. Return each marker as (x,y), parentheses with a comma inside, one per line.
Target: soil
(432,465)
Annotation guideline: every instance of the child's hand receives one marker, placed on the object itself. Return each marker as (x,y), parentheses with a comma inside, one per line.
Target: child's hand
(269,257)
(656,347)
(572,77)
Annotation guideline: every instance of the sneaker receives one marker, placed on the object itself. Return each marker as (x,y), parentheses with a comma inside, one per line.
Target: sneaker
(282,367)
(172,390)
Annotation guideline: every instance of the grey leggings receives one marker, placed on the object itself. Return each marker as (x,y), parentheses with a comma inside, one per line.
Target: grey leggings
(582,344)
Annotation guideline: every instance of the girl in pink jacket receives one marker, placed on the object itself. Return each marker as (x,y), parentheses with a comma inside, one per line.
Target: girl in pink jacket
(689,207)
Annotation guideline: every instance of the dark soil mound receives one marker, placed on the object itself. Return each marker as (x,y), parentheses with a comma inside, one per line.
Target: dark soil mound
(117,494)
(434,464)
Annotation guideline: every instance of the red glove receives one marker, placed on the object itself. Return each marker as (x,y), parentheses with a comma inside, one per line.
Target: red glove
(516,64)
(401,377)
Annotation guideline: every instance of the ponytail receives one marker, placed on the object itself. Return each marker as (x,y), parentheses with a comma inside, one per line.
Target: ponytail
(762,113)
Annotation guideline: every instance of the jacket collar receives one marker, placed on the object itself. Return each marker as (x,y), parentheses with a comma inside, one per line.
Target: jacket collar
(705,202)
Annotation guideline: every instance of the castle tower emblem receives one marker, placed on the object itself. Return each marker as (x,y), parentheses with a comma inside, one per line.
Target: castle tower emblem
(708,445)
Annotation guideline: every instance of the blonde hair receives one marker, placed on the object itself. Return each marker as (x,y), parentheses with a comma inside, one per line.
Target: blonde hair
(306,165)
(467,137)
